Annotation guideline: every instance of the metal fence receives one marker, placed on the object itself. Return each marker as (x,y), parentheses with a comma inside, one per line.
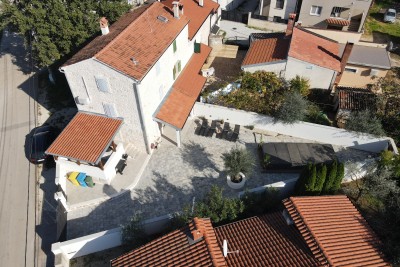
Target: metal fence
(234,15)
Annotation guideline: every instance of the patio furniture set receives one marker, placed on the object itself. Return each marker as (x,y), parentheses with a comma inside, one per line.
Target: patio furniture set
(221,130)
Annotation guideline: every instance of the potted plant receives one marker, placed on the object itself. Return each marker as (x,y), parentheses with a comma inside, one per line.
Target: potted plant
(238,162)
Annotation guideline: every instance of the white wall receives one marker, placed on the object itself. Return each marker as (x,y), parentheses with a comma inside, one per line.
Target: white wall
(121,95)
(229,4)
(267,25)
(275,67)
(288,7)
(339,36)
(305,130)
(319,77)
(149,87)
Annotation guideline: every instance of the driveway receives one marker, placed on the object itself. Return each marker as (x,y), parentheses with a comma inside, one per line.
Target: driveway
(17,175)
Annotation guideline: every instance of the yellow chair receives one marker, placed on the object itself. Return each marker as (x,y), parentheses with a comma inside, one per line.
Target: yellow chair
(72,178)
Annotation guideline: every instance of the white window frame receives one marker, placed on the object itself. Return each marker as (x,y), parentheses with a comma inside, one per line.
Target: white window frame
(110,110)
(350,70)
(316,9)
(107,84)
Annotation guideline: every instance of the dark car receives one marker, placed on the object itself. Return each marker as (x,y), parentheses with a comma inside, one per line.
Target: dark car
(40,140)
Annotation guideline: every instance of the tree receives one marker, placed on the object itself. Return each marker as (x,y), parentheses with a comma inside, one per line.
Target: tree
(300,186)
(311,179)
(300,85)
(365,122)
(330,179)
(293,108)
(238,160)
(321,177)
(339,177)
(133,232)
(56,28)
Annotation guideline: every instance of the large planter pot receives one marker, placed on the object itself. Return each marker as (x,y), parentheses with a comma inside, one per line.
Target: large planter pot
(234,185)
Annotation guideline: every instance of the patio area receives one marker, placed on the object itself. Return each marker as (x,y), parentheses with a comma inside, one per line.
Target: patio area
(175,177)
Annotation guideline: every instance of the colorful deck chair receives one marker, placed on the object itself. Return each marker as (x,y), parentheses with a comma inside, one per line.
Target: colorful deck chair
(72,178)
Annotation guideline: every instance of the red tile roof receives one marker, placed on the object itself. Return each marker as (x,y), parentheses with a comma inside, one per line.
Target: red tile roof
(97,44)
(186,89)
(195,13)
(338,21)
(267,50)
(315,49)
(265,241)
(335,231)
(174,249)
(145,40)
(86,137)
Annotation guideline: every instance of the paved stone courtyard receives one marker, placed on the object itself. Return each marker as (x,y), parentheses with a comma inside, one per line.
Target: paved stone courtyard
(172,178)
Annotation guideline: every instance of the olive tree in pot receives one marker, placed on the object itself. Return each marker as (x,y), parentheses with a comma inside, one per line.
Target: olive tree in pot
(238,162)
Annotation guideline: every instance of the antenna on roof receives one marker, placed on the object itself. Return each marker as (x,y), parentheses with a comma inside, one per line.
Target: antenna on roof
(134,61)
(225,249)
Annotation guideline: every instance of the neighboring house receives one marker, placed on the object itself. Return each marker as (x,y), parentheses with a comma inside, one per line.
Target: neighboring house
(311,231)
(229,4)
(295,52)
(365,66)
(343,15)
(277,10)
(145,68)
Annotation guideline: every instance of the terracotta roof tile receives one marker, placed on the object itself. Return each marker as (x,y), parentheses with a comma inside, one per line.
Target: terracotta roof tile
(195,13)
(101,41)
(267,50)
(265,241)
(85,138)
(174,249)
(186,89)
(338,21)
(145,40)
(315,49)
(355,98)
(335,231)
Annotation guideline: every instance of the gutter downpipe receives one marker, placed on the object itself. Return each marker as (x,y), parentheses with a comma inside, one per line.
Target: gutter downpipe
(140,109)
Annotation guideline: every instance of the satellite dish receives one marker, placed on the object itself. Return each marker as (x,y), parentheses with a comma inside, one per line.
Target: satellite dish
(225,248)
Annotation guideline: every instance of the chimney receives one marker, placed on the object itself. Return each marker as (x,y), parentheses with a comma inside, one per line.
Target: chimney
(181,9)
(196,235)
(104,26)
(201,2)
(175,8)
(344,59)
(290,25)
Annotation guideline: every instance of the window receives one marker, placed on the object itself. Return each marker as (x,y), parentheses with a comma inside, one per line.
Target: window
(353,70)
(336,11)
(279,4)
(109,110)
(316,10)
(102,84)
(309,67)
(177,69)
(174,46)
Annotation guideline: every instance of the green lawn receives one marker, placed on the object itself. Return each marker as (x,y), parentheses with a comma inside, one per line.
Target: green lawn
(375,25)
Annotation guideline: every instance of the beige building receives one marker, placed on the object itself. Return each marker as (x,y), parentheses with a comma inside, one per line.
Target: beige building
(365,66)
(343,15)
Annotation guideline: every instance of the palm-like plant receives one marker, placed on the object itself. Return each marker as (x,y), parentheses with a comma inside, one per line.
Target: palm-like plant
(238,160)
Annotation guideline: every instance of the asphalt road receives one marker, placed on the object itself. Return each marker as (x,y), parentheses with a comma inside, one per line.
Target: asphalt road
(17,175)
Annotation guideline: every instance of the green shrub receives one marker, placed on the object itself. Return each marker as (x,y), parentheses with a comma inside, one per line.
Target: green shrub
(321,177)
(330,178)
(310,180)
(339,177)
(300,186)
(260,203)
(133,232)
(238,160)
(293,108)
(300,85)
(365,122)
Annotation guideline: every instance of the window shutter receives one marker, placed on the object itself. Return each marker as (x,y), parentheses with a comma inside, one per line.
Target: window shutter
(109,110)
(179,66)
(174,46)
(102,84)
(174,72)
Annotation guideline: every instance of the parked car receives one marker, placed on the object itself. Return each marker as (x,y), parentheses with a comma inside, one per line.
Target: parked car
(390,15)
(40,140)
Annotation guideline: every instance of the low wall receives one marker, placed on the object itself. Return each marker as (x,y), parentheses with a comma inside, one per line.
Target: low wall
(265,24)
(103,240)
(305,130)
(339,36)
(285,188)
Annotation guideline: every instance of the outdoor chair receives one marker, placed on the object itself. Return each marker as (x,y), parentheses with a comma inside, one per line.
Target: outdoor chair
(211,131)
(235,133)
(226,130)
(203,127)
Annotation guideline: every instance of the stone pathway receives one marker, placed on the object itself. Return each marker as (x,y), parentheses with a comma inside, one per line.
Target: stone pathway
(172,178)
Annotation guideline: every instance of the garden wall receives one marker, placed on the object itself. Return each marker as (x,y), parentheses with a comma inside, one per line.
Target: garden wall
(305,130)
